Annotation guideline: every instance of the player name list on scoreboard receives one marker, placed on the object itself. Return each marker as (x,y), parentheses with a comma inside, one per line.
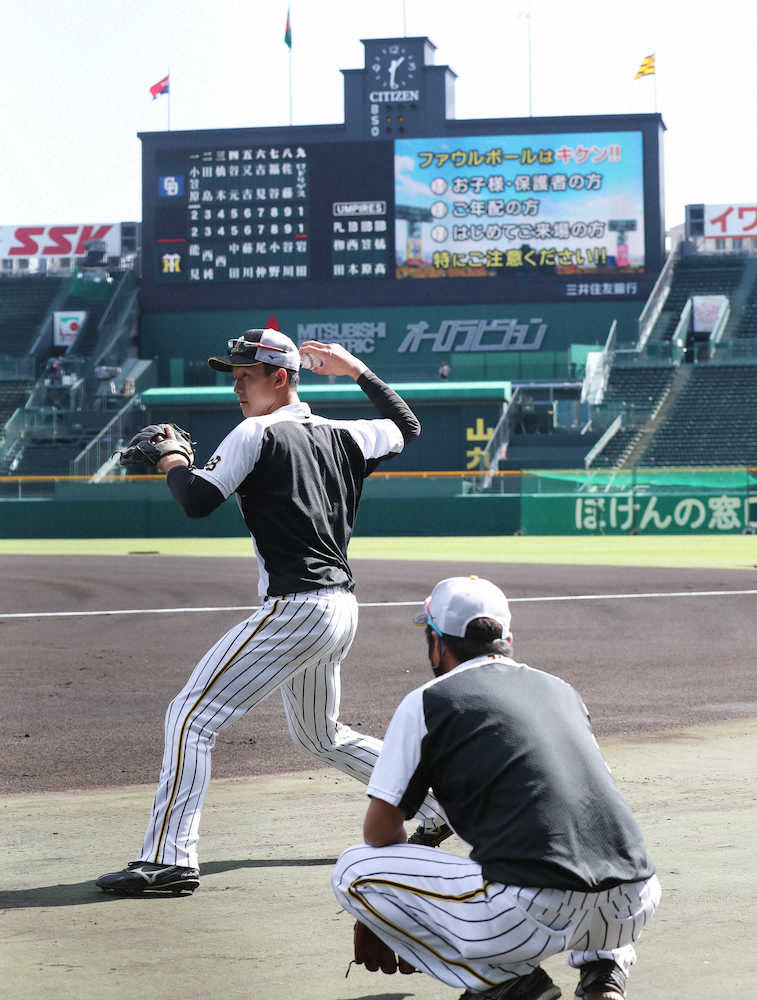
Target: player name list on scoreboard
(236,214)
(246,215)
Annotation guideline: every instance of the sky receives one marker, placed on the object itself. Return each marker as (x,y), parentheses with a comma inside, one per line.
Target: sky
(75,79)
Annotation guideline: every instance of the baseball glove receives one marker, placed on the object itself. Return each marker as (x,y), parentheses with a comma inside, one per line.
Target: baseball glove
(151,444)
(371,952)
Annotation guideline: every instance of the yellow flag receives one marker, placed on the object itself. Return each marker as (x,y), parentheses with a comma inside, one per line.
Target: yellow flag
(646,68)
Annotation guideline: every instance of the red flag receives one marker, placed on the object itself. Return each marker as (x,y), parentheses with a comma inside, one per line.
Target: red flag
(161,87)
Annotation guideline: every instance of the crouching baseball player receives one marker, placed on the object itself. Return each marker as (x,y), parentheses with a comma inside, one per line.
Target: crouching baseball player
(557,861)
(297,478)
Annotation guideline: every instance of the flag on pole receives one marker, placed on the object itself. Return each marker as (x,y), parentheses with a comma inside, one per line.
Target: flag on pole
(161,87)
(646,68)
(288,32)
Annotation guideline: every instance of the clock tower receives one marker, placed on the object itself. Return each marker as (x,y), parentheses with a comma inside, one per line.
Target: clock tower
(399,93)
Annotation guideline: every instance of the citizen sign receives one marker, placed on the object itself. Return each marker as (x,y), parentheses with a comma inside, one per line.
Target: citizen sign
(56,241)
(393,96)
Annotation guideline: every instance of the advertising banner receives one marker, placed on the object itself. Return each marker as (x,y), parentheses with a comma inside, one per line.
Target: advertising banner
(737,221)
(57,241)
(620,514)
(66,327)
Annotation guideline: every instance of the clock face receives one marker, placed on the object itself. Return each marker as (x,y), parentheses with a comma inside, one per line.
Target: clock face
(394,67)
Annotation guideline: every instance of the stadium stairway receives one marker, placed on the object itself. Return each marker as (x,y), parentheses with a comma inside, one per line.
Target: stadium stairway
(638,392)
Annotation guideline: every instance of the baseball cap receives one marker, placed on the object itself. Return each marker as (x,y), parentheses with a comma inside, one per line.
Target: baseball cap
(454,603)
(254,346)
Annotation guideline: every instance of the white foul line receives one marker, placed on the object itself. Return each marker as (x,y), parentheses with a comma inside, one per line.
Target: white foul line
(380,604)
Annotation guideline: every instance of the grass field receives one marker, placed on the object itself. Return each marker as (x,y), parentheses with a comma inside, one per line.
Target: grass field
(704,551)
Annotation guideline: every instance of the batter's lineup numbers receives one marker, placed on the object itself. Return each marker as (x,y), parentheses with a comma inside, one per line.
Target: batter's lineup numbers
(245,216)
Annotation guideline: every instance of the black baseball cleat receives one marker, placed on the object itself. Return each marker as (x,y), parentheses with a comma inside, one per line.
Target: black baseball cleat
(432,837)
(144,876)
(535,986)
(601,980)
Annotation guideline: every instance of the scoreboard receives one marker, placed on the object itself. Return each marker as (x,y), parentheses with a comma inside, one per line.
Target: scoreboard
(424,210)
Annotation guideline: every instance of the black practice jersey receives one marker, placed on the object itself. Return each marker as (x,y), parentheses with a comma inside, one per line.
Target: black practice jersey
(510,755)
(298,479)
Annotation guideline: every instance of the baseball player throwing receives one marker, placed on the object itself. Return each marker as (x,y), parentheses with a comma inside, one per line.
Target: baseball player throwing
(557,860)
(297,478)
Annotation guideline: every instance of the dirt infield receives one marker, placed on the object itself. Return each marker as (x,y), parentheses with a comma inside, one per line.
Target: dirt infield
(669,681)
(85,696)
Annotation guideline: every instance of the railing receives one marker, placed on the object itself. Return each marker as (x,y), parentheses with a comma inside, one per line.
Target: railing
(102,447)
(656,300)
(599,446)
(12,369)
(720,324)
(115,327)
(597,375)
(496,446)
(680,334)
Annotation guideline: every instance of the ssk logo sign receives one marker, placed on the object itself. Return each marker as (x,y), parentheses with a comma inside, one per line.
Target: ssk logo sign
(57,241)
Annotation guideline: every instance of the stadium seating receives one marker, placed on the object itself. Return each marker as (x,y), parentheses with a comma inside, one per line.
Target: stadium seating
(639,386)
(712,422)
(702,276)
(616,448)
(24,303)
(747,326)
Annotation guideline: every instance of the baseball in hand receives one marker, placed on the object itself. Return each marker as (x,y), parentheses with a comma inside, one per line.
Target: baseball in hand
(310,361)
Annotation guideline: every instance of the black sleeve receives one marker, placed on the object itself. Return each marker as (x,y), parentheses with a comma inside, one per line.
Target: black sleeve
(390,405)
(196,495)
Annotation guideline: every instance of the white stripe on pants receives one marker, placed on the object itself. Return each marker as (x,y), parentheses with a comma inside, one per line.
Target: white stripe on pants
(295,643)
(438,912)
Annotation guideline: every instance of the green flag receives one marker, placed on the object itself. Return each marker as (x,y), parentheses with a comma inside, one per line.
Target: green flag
(288,32)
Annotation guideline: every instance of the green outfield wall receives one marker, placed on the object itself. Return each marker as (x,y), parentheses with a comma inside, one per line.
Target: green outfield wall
(538,502)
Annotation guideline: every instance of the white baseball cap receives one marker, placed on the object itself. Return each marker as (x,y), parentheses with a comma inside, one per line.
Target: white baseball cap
(271,346)
(454,603)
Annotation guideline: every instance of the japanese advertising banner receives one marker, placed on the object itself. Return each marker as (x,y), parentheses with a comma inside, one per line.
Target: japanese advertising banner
(737,221)
(570,203)
(66,326)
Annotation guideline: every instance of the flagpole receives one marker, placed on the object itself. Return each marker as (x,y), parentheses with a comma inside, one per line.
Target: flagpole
(290,88)
(655,83)
(530,81)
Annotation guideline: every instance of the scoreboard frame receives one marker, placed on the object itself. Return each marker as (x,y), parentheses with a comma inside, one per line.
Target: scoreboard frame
(353,165)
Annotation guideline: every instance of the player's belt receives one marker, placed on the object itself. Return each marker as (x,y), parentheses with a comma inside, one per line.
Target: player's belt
(303,595)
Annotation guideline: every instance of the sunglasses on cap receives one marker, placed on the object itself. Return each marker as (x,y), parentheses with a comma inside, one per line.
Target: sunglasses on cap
(248,347)
(430,618)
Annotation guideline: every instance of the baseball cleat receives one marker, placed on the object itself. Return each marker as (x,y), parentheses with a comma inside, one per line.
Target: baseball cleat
(144,876)
(535,986)
(432,837)
(601,980)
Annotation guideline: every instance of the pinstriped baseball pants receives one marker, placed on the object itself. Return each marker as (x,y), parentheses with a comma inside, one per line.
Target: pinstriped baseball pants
(438,912)
(295,643)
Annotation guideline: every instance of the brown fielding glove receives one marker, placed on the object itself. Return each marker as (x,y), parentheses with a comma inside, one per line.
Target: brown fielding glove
(371,952)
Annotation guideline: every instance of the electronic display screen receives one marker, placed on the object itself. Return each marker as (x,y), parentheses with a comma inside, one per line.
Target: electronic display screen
(469,207)
(543,215)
